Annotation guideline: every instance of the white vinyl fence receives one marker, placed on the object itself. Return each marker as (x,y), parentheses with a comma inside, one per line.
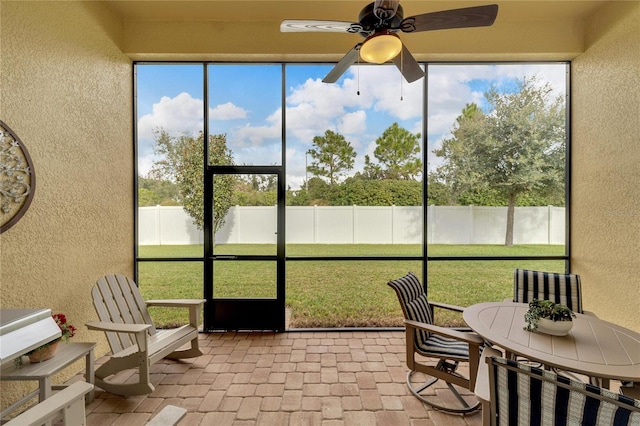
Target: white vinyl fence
(359,225)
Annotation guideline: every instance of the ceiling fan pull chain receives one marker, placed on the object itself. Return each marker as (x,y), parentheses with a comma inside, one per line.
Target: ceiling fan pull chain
(401,73)
(358,77)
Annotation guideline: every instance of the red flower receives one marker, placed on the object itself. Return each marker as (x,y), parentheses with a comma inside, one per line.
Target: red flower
(68,330)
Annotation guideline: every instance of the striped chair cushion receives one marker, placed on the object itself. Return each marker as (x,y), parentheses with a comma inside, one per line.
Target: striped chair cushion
(415,306)
(560,288)
(444,346)
(523,398)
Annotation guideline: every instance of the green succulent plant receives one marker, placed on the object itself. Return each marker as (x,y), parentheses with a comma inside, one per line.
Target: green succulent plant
(546,309)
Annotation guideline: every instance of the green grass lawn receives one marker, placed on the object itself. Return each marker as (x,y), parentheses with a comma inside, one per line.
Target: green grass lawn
(340,293)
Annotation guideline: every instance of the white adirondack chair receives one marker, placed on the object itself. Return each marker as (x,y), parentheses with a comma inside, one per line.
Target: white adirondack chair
(67,405)
(134,341)
(67,408)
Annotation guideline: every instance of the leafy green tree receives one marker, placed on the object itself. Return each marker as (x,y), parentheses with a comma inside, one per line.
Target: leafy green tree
(318,192)
(314,192)
(438,193)
(182,162)
(298,197)
(517,148)
(256,190)
(147,197)
(398,152)
(366,192)
(457,173)
(332,156)
(361,192)
(404,192)
(153,192)
(371,170)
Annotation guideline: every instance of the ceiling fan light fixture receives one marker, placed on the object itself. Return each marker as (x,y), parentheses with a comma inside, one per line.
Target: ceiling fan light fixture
(380,47)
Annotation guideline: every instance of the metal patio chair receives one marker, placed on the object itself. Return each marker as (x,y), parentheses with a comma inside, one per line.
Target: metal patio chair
(559,288)
(521,394)
(444,347)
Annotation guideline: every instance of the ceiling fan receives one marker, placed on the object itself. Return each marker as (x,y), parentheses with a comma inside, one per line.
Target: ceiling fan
(379,22)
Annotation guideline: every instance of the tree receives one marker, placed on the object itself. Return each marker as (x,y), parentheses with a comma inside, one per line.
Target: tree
(457,173)
(256,190)
(153,192)
(438,193)
(332,156)
(182,162)
(517,148)
(147,197)
(371,171)
(397,150)
(363,192)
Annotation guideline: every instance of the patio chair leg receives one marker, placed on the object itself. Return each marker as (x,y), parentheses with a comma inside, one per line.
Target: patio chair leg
(464,407)
(458,396)
(426,385)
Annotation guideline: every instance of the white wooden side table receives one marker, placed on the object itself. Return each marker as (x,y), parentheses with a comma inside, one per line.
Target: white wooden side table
(67,354)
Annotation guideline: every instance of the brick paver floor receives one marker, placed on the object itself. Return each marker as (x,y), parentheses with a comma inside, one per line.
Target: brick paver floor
(294,378)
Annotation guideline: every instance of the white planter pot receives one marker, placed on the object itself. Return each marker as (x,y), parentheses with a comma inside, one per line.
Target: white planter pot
(554,328)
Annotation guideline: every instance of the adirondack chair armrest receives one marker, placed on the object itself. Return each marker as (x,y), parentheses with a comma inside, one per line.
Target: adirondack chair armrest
(192,304)
(175,303)
(69,403)
(117,327)
(140,331)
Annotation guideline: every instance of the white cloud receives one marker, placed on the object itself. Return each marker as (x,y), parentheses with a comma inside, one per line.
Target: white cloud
(145,162)
(417,127)
(353,122)
(252,135)
(314,107)
(179,115)
(387,90)
(369,149)
(258,154)
(227,111)
(249,135)
(296,167)
(553,74)
(183,115)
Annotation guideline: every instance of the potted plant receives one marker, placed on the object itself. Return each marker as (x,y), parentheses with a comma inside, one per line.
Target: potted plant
(548,317)
(48,350)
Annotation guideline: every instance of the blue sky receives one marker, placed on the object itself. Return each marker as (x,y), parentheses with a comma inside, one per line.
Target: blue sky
(245,104)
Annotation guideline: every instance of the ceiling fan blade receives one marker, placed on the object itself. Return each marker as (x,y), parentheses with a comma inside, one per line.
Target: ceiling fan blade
(479,16)
(347,60)
(408,65)
(385,9)
(312,26)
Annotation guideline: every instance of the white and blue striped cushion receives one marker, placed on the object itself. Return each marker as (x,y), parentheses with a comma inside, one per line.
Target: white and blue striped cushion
(559,288)
(522,398)
(413,299)
(444,347)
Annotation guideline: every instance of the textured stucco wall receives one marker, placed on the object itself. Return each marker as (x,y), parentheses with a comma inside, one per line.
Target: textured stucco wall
(606,164)
(65,90)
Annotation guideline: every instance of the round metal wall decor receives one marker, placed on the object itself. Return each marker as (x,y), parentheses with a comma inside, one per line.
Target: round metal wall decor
(17,178)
